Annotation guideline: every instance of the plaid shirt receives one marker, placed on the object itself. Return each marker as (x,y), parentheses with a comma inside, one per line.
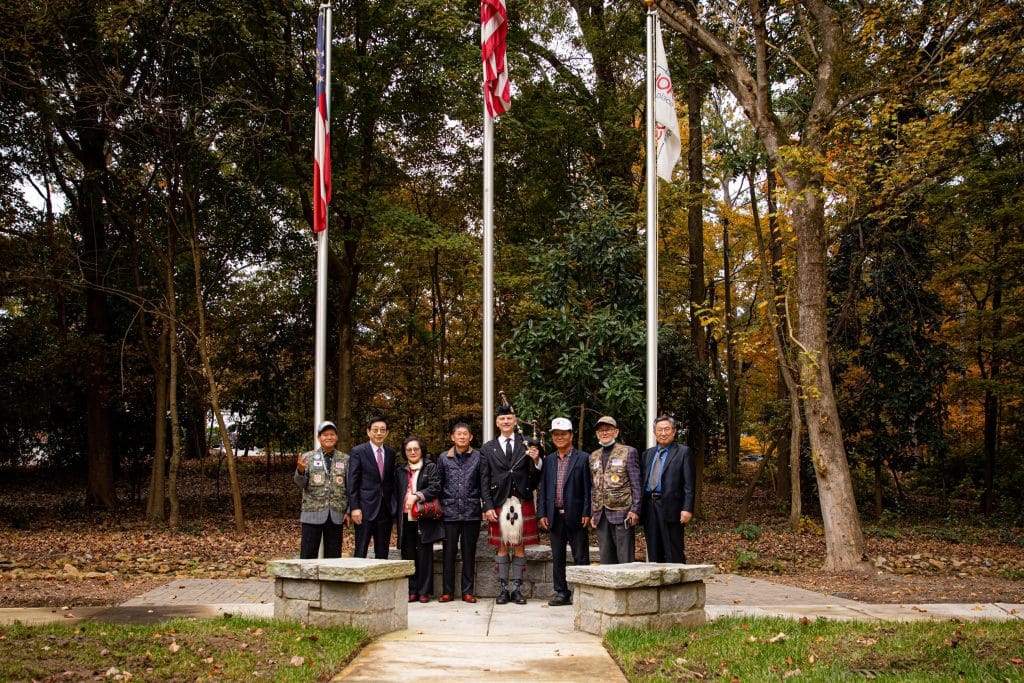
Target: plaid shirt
(563,468)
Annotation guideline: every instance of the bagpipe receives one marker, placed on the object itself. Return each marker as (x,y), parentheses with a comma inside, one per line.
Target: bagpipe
(510,517)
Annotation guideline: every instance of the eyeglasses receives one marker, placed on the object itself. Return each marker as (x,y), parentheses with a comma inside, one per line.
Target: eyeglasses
(664,430)
(379,430)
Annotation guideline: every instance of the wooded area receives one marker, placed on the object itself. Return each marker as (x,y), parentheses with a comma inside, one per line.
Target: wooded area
(841,260)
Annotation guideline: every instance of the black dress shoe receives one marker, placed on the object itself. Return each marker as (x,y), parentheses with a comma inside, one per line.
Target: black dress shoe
(502,598)
(560,599)
(518,598)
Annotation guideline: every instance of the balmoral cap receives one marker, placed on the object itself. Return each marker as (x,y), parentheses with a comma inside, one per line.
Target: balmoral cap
(607,420)
(561,424)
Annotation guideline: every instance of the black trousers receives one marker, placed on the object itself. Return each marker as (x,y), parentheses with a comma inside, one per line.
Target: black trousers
(579,543)
(422,555)
(664,535)
(456,535)
(309,548)
(377,529)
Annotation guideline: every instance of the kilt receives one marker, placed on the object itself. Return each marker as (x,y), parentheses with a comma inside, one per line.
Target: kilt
(530,534)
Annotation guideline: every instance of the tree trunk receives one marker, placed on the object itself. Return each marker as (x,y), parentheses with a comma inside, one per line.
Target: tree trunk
(732,435)
(795,438)
(348,279)
(878,487)
(204,356)
(771,281)
(844,540)
(778,290)
(698,435)
(157,486)
(991,405)
(95,365)
(748,493)
(174,517)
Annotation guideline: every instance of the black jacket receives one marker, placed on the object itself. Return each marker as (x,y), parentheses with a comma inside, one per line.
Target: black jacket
(499,475)
(430,530)
(677,479)
(575,491)
(367,491)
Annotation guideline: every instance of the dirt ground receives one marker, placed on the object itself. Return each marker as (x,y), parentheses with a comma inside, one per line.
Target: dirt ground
(53,553)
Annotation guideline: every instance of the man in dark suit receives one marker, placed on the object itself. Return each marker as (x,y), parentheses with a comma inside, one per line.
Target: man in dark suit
(564,507)
(509,474)
(371,490)
(669,480)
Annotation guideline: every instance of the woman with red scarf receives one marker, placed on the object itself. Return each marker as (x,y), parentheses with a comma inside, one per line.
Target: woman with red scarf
(418,485)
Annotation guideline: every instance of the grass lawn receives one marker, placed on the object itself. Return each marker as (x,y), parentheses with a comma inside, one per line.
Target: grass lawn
(766,649)
(232,649)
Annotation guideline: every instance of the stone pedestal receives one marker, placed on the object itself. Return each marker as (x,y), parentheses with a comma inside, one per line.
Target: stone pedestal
(538,582)
(638,594)
(348,591)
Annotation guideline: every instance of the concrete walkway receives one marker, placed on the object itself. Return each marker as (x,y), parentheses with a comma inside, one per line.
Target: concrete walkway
(459,641)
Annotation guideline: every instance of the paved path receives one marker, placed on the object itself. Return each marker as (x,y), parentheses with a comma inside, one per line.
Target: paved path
(458,641)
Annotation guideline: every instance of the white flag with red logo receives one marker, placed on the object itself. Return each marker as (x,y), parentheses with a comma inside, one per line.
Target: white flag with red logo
(666,124)
(493,34)
(321,135)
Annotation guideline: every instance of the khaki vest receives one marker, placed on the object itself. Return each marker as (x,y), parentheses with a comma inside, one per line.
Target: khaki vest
(326,488)
(611,483)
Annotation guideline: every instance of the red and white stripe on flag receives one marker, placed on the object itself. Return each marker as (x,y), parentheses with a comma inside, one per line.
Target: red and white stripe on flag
(493,34)
(321,136)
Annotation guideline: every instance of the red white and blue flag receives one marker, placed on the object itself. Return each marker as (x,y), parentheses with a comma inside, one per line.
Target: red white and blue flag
(493,34)
(321,136)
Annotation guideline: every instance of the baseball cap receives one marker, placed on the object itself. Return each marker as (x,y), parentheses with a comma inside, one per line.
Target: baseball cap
(607,420)
(325,425)
(561,423)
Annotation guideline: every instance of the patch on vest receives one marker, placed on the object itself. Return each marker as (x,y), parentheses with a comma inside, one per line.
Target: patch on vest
(318,478)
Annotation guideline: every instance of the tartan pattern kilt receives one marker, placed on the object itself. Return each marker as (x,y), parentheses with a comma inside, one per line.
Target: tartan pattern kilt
(530,534)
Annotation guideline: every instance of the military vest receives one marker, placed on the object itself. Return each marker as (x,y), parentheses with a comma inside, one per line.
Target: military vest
(325,488)
(611,482)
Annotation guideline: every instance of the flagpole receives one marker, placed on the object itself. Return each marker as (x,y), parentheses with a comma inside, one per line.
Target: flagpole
(652,234)
(487,404)
(320,366)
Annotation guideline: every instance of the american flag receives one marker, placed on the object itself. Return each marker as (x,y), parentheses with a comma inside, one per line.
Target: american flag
(493,32)
(321,137)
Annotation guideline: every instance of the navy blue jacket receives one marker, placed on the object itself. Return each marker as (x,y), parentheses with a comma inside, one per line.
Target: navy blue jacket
(366,490)
(460,486)
(575,491)
(678,479)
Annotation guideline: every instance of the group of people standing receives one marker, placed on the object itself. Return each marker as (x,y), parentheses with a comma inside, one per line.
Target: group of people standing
(610,490)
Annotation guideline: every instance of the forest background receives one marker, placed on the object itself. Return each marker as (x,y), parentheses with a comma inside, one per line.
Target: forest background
(158,263)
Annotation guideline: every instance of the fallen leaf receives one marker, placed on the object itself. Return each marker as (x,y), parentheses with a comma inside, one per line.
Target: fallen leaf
(297,661)
(777,638)
(811,659)
(174,647)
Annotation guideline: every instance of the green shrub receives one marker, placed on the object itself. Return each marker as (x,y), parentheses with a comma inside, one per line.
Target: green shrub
(749,531)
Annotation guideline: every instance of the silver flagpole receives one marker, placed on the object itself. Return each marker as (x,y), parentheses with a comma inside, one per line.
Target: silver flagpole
(652,234)
(320,368)
(487,404)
